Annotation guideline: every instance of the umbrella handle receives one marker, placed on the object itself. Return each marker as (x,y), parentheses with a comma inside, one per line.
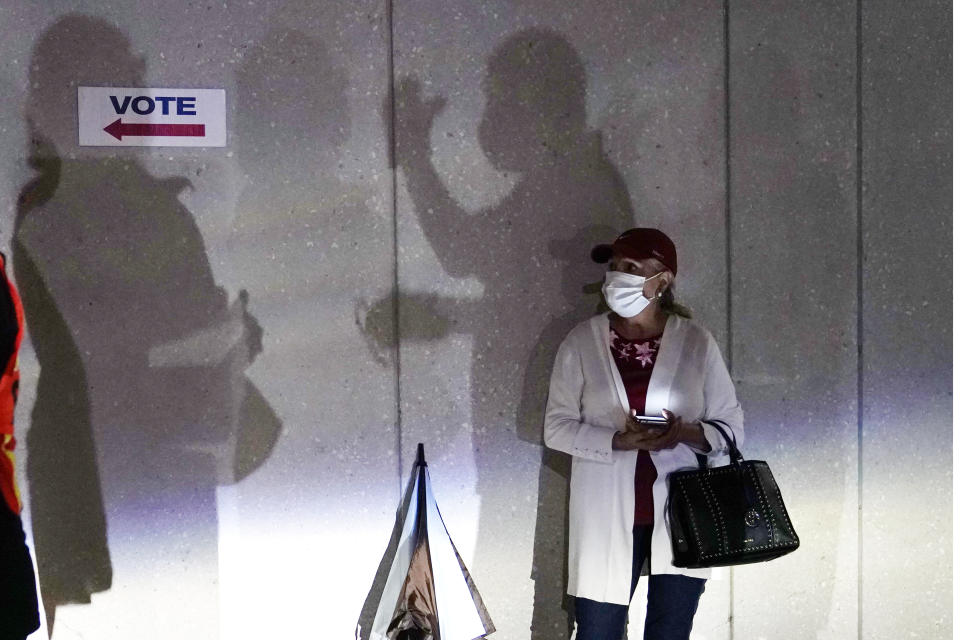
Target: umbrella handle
(420,459)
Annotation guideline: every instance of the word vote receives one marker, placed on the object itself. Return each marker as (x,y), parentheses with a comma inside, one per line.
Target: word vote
(145,105)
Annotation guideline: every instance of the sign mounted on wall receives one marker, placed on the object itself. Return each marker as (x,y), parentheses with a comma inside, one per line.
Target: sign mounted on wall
(124,117)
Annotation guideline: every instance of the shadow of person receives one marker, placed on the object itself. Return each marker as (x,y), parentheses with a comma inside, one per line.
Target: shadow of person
(530,252)
(141,397)
(287,85)
(68,523)
(424,321)
(292,121)
(551,539)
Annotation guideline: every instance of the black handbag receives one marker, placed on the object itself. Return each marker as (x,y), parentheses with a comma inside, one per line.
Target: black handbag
(729,515)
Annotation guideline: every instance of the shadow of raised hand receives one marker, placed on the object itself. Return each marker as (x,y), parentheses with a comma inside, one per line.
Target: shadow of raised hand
(411,117)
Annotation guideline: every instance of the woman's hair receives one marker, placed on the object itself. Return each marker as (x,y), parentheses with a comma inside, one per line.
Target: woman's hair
(671,306)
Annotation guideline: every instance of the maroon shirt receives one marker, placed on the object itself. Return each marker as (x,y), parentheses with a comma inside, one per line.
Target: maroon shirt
(635,360)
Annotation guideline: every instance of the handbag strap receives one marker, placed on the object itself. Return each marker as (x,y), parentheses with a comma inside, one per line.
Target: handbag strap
(702,461)
(735,456)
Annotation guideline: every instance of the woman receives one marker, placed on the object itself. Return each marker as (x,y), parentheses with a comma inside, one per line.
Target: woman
(645,358)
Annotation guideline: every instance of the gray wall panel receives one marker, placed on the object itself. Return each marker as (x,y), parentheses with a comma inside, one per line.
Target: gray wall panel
(793,218)
(907,320)
(267,468)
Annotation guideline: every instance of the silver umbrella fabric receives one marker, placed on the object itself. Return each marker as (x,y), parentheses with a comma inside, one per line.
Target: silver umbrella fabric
(429,594)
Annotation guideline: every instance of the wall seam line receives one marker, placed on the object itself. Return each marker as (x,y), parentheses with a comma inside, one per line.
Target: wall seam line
(392,158)
(859,223)
(728,228)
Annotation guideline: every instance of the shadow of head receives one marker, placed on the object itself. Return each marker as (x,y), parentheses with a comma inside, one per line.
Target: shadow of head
(536,101)
(578,273)
(77,50)
(291,101)
(426,318)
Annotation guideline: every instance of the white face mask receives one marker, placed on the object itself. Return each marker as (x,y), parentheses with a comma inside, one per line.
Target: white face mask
(624,293)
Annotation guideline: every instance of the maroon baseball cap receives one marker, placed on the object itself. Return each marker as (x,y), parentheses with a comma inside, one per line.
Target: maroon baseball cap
(638,244)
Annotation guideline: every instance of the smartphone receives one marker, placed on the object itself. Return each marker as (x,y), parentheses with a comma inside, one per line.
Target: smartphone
(651,422)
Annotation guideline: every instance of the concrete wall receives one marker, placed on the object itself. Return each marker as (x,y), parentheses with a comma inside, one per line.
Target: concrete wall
(798,155)
(793,215)
(906,364)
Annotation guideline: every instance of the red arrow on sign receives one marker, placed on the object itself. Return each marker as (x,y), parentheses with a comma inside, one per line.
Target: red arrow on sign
(119,129)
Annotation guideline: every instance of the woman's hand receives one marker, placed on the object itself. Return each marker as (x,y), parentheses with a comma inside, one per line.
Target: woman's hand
(631,425)
(638,436)
(634,434)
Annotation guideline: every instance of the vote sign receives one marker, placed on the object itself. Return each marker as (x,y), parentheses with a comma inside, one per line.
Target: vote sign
(125,117)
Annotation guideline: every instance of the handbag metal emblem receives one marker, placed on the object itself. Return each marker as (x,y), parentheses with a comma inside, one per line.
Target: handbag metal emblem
(751,518)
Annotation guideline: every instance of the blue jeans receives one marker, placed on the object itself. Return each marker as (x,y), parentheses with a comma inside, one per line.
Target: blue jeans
(671,603)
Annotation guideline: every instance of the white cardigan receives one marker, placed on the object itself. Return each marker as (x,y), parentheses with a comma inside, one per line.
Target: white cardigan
(588,404)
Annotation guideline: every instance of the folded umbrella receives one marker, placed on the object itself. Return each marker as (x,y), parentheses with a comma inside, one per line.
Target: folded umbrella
(429,594)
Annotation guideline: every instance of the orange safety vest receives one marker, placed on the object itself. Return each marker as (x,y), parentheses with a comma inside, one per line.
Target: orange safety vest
(9,386)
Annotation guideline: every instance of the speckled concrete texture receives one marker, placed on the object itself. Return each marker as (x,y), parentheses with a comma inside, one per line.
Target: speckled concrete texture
(907,326)
(208,432)
(232,353)
(793,123)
